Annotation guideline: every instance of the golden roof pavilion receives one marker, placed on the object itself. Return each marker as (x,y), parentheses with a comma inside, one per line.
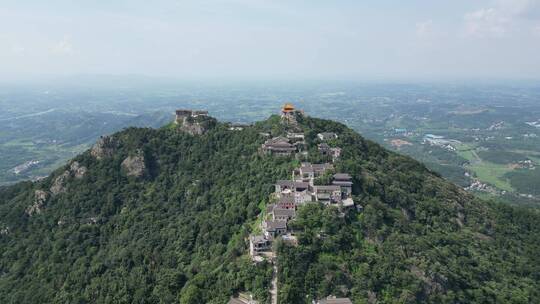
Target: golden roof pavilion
(287,108)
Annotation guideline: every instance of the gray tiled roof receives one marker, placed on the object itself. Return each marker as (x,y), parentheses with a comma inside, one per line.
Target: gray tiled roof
(308,167)
(342,176)
(291,184)
(335,301)
(285,183)
(278,139)
(327,188)
(286,199)
(322,167)
(342,183)
(273,225)
(280,145)
(285,148)
(284,212)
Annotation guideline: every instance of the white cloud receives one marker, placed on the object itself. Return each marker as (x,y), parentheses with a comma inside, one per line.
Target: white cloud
(502,18)
(486,22)
(529,9)
(63,47)
(424,29)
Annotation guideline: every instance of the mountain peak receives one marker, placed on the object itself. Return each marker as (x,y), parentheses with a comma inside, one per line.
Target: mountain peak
(182,232)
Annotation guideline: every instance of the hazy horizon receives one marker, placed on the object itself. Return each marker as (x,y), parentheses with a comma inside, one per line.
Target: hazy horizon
(71,80)
(265,40)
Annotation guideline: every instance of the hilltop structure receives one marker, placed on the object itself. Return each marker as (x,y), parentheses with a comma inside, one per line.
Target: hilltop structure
(194,122)
(287,110)
(289,114)
(183,114)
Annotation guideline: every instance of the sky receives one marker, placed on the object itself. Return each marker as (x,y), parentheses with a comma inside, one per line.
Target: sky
(272,39)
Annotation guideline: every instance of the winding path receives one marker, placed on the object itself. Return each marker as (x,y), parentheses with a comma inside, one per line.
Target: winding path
(274,290)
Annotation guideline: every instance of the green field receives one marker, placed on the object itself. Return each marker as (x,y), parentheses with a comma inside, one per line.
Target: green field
(532,155)
(493,174)
(485,171)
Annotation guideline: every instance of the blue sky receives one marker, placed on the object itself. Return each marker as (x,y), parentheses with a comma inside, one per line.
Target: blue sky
(265,39)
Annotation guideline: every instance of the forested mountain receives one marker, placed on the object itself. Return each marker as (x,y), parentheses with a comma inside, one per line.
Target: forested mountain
(163,216)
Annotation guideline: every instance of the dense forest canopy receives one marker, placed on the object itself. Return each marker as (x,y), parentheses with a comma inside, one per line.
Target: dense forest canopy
(163,216)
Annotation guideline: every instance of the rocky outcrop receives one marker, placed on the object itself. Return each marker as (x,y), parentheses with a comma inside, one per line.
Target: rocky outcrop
(407,214)
(77,170)
(59,183)
(134,165)
(372,297)
(193,128)
(104,147)
(40,197)
(196,125)
(460,219)
(433,283)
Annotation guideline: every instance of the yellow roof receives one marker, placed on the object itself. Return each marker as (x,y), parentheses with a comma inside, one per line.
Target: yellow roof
(288,107)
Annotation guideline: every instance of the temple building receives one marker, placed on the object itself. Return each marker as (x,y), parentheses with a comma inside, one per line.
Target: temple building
(258,243)
(278,146)
(273,229)
(287,110)
(327,194)
(308,172)
(289,113)
(292,186)
(344,180)
(286,201)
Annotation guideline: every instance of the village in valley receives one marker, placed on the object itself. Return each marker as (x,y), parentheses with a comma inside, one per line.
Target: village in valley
(309,183)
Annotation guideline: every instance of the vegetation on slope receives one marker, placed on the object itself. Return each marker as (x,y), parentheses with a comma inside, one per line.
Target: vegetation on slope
(419,239)
(178,233)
